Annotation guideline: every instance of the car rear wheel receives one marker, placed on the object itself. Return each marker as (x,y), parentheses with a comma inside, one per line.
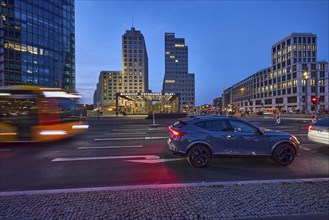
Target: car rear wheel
(284,154)
(198,156)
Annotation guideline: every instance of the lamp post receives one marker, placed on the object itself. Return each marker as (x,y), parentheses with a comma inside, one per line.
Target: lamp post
(242,97)
(305,77)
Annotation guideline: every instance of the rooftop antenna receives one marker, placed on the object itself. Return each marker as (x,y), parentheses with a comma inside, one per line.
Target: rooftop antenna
(132,21)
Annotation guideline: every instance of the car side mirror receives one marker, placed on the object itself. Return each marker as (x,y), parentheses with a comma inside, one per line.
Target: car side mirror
(261,131)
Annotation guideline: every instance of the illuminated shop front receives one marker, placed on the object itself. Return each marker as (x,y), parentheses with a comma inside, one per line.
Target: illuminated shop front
(143,103)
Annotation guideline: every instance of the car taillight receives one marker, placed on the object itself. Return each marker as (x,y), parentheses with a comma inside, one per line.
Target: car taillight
(175,132)
(310,127)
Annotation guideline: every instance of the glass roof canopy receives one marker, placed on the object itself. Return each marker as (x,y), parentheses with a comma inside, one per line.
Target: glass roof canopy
(146,96)
(153,101)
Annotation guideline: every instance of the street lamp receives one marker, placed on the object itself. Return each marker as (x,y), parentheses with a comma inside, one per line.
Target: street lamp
(305,77)
(242,98)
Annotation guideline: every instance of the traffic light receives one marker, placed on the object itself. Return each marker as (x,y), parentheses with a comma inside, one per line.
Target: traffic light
(314,100)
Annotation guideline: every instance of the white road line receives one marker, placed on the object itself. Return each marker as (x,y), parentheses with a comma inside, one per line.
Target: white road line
(132,138)
(160,128)
(108,147)
(132,133)
(156,160)
(307,149)
(150,138)
(160,186)
(146,157)
(126,129)
(300,135)
(5,150)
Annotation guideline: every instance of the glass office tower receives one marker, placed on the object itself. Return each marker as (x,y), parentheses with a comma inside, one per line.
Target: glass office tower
(177,79)
(38,43)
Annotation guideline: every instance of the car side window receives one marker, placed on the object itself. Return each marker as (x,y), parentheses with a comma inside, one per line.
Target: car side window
(215,125)
(240,126)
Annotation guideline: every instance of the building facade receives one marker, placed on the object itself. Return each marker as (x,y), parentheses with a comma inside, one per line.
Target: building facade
(38,43)
(134,62)
(132,79)
(177,79)
(294,78)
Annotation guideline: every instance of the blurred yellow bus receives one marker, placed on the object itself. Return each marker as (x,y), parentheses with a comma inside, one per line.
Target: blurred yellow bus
(33,113)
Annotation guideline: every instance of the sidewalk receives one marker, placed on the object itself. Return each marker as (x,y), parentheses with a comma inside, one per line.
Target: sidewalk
(281,199)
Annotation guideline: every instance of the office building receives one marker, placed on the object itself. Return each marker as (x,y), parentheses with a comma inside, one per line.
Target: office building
(177,79)
(294,79)
(132,79)
(134,62)
(38,43)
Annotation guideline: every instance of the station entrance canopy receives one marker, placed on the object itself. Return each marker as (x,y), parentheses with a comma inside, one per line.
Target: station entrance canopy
(146,102)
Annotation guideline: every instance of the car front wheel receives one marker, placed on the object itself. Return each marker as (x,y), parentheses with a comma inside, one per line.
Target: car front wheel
(284,154)
(198,156)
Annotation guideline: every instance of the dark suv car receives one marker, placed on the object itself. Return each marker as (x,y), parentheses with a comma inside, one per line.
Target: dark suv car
(200,138)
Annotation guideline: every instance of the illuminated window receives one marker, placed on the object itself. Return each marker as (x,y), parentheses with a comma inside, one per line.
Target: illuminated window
(172,57)
(179,45)
(176,61)
(167,52)
(313,82)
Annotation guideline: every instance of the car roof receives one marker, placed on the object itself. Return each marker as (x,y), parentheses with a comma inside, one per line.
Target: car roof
(197,118)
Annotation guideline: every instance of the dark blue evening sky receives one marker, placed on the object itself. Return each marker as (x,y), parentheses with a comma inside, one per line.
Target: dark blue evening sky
(228,40)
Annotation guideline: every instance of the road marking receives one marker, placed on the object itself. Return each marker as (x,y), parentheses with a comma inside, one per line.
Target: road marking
(156,160)
(300,135)
(307,149)
(5,150)
(133,138)
(146,157)
(161,186)
(150,138)
(108,147)
(125,129)
(160,128)
(132,133)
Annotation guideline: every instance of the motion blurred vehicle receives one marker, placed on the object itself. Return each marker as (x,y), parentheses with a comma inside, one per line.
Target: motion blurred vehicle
(32,113)
(202,137)
(319,132)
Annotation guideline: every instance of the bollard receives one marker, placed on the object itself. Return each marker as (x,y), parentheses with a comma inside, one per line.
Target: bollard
(81,118)
(278,117)
(314,118)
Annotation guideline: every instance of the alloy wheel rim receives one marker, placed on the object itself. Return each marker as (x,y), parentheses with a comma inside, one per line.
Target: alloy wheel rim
(285,155)
(200,156)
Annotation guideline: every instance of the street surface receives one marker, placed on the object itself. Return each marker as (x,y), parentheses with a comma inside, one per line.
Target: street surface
(120,151)
(122,169)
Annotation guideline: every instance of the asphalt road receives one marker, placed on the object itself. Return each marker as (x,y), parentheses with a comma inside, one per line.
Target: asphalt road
(127,151)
